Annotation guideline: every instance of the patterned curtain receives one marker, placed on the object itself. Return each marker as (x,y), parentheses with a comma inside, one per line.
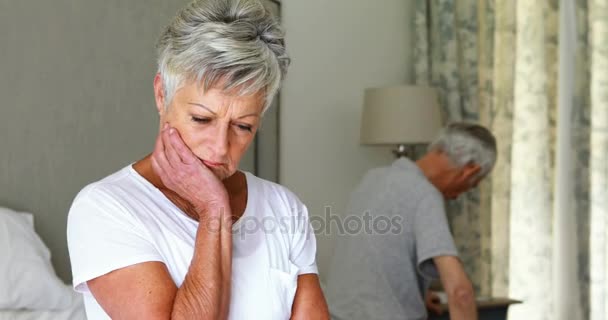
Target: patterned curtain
(594,92)
(497,63)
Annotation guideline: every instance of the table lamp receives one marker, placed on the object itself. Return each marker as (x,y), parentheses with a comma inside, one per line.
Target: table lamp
(402,115)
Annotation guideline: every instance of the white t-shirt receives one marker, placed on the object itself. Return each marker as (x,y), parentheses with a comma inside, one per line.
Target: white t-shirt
(123,219)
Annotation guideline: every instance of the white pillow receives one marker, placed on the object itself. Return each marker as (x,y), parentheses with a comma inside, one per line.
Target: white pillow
(27,278)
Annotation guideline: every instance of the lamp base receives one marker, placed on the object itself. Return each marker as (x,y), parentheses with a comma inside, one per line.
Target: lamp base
(404,151)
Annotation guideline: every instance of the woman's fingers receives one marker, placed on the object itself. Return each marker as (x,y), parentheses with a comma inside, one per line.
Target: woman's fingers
(181,171)
(172,156)
(160,164)
(159,153)
(178,145)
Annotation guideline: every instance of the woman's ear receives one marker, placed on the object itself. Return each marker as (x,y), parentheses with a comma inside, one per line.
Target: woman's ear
(159,94)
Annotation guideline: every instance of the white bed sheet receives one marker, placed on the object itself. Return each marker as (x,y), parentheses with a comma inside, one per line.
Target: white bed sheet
(74,312)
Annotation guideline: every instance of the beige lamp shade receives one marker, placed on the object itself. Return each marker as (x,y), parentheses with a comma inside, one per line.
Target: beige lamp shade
(400,115)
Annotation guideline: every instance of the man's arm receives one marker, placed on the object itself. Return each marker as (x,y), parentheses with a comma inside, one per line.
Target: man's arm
(309,302)
(461,298)
(146,290)
(433,302)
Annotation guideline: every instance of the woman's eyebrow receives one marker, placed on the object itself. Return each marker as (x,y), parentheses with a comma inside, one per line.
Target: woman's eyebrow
(202,106)
(253,114)
(249,115)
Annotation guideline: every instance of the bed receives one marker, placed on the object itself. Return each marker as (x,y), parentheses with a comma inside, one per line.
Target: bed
(75,311)
(29,287)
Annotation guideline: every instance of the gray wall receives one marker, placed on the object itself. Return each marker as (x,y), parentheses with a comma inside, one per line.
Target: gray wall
(339,47)
(77,103)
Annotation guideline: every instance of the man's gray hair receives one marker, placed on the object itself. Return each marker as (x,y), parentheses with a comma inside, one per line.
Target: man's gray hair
(466,143)
(237,44)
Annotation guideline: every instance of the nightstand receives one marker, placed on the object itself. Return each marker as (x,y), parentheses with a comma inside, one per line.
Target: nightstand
(488,309)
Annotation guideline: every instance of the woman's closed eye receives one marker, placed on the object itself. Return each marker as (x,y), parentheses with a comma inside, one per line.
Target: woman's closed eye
(240,126)
(244,127)
(201,119)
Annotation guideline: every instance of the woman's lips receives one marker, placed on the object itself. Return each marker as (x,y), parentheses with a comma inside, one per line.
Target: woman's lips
(212,164)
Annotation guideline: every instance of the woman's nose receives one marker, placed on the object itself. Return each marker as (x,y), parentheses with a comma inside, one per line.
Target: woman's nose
(220,143)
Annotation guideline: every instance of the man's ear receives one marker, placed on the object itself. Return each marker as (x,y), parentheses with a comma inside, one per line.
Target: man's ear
(470,170)
(159,93)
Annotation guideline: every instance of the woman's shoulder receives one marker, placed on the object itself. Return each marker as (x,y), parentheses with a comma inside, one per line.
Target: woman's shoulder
(272,190)
(101,184)
(108,190)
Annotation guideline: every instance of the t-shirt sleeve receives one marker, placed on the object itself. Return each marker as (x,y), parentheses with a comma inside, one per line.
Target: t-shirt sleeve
(433,236)
(102,237)
(304,244)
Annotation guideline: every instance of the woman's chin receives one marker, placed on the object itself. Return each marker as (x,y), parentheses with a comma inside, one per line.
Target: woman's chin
(221,173)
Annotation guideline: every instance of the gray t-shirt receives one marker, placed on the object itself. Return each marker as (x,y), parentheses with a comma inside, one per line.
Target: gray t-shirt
(383,274)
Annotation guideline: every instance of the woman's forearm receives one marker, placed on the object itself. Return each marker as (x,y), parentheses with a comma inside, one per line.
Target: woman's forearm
(205,292)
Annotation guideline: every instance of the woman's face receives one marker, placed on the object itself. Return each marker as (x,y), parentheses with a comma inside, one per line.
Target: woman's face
(217,126)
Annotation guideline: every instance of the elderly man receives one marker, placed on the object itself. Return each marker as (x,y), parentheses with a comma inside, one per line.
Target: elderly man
(386,276)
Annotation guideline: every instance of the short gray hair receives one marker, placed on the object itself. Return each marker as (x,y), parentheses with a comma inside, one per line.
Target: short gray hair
(466,143)
(234,43)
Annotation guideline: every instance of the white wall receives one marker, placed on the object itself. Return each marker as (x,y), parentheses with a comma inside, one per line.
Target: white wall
(338,48)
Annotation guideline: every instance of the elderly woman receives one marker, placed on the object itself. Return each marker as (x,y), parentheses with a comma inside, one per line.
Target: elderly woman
(182,233)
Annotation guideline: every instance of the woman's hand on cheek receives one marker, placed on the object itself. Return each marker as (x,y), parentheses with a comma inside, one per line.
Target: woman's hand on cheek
(183,173)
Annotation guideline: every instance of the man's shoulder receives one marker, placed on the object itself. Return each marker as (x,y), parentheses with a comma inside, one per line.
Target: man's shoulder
(406,178)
